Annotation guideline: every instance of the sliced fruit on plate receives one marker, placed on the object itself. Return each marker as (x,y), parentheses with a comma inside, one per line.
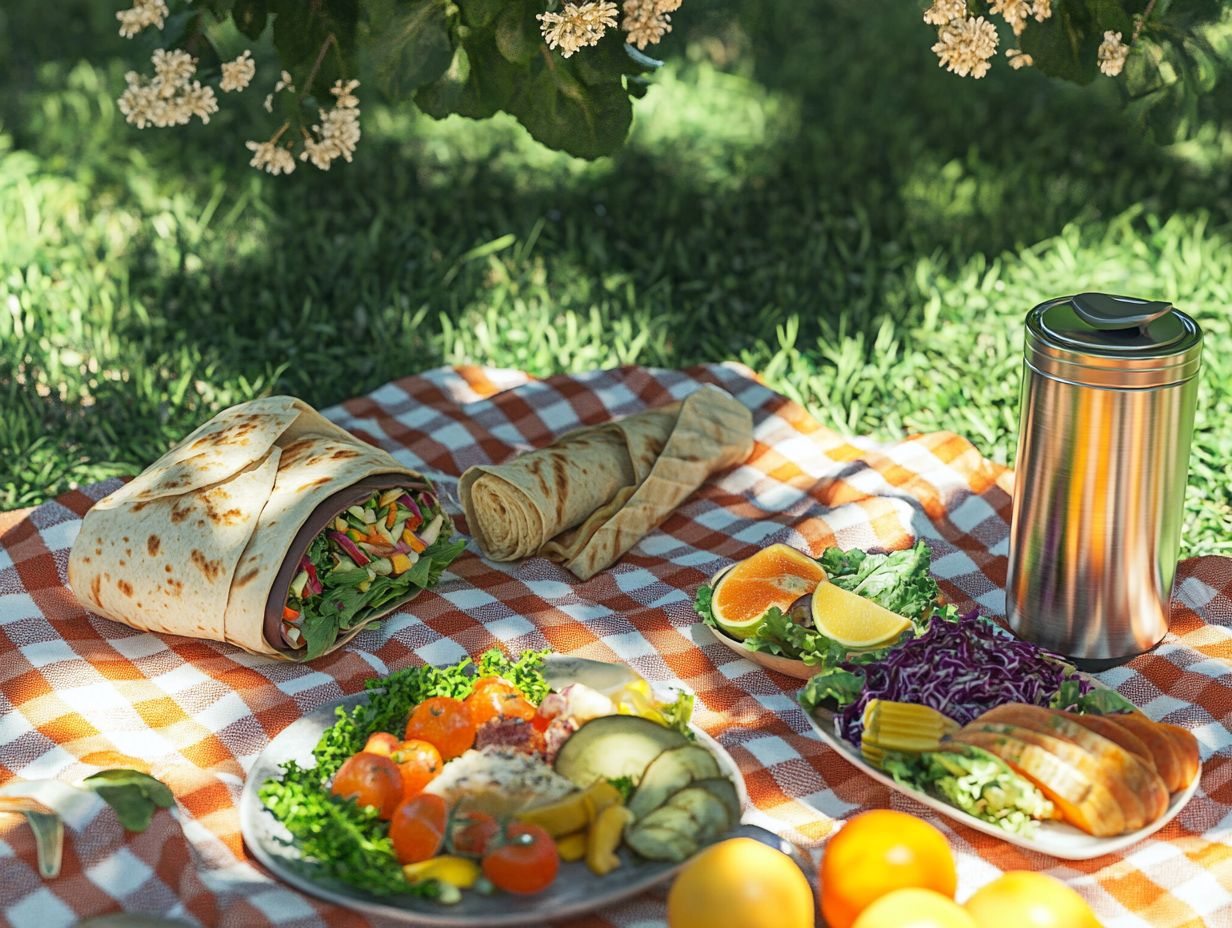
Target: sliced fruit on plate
(1186,747)
(774,577)
(1106,726)
(1064,772)
(1168,761)
(1142,792)
(854,621)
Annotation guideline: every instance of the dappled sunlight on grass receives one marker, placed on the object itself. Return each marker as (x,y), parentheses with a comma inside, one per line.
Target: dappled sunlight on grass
(804,191)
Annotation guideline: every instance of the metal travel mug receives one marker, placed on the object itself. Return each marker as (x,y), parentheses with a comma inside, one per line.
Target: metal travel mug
(1109,389)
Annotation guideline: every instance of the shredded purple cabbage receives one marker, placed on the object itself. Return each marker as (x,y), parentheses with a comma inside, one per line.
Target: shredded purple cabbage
(962,669)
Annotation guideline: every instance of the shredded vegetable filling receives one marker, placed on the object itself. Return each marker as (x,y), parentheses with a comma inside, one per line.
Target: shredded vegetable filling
(368,557)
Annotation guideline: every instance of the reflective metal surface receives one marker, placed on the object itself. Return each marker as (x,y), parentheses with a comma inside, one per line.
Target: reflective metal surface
(1103,457)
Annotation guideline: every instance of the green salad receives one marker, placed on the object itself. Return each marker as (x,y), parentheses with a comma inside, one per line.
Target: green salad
(349,842)
(378,552)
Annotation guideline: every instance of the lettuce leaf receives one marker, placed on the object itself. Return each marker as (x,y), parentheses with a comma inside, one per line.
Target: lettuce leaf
(975,781)
(899,581)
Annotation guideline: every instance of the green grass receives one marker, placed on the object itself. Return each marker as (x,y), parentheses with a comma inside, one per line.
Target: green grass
(807,193)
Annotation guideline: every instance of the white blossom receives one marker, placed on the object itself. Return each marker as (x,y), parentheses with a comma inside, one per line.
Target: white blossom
(945,11)
(1112,54)
(143,13)
(238,74)
(172,70)
(270,157)
(1018,58)
(964,46)
(577,25)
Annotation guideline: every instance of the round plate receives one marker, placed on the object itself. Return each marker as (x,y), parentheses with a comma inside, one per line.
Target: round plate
(1053,838)
(575,891)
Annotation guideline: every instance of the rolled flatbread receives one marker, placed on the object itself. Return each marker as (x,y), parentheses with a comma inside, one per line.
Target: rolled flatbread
(589,497)
(207,541)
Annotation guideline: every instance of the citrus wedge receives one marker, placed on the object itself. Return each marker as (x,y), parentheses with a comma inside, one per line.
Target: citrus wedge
(775,576)
(854,621)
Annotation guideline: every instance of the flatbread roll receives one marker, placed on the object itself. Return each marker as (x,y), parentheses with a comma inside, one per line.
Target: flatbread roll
(207,541)
(589,497)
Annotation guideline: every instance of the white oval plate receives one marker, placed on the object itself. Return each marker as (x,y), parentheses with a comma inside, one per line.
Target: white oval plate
(1052,838)
(575,891)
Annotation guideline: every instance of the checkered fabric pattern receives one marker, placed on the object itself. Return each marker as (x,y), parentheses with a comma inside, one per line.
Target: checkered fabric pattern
(78,692)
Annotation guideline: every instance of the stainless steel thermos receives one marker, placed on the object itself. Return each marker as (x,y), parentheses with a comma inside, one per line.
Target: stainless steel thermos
(1108,394)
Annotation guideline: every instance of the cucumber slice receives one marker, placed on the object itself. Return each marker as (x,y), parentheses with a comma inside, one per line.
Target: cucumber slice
(671,771)
(614,746)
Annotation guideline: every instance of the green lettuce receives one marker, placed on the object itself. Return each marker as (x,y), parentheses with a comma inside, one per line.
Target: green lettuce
(343,605)
(899,581)
(975,781)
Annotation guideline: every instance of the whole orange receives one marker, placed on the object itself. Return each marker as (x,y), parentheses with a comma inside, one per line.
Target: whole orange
(740,883)
(1029,900)
(917,908)
(877,852)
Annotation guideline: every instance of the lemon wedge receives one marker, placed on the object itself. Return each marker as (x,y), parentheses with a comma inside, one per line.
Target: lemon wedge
(854,621)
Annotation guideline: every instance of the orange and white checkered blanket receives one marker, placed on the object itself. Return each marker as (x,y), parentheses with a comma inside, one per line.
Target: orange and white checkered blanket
(78,692)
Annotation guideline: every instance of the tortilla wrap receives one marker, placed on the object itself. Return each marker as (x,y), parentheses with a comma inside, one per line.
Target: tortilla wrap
(205,541)
(589,497)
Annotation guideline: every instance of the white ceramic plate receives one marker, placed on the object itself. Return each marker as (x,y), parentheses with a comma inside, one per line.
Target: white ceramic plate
(1053,838)
(575,891)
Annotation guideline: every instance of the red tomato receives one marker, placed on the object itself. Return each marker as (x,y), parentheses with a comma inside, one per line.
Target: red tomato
(372,780)
(525,862)
(418,762)
(493,698)
(442,721)
(472,832)
(417,828)
(540,722)
(382,742)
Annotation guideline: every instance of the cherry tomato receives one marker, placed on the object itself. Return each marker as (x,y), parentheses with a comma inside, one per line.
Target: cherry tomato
(382,742)
(472,832)
(525,861)
(418,762)
(372,780)
(444,722)
(417,828)
(493,698)
(540,722)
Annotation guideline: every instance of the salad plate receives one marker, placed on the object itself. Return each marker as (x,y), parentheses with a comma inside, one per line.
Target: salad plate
(575,891)
(1053,838)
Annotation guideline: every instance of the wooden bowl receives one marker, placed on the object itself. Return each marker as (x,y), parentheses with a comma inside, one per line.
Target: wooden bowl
(779,664)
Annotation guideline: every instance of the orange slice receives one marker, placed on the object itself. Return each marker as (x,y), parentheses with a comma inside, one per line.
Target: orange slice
(775,576)
(854,621)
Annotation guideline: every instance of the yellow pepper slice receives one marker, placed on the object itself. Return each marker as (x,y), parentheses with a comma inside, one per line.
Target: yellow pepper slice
(461,872)
(603,838)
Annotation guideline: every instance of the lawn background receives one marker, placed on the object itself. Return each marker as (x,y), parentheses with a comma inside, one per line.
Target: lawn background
(804,191)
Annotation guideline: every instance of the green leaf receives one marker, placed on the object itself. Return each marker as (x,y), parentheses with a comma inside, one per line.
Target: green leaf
(1062,45)
(250,17)
(480,13)
(410,43)
(517,32)
(134,795)
(831,684)
(478,83)
(563,112)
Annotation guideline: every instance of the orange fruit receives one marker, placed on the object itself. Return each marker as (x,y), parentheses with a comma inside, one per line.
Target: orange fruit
(878,852)
(1029,900)
(740,883)
(917,908)
(774,576)
(854,621)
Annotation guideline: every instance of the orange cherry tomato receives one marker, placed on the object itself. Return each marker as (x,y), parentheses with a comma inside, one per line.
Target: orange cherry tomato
(443,722)
(418,762)
(877,852)
(382,742)
(417,828)
(525,861)
(493,698)
(472,832)
(372,780)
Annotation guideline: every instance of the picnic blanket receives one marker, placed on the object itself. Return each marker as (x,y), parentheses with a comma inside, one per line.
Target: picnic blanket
(79,693)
